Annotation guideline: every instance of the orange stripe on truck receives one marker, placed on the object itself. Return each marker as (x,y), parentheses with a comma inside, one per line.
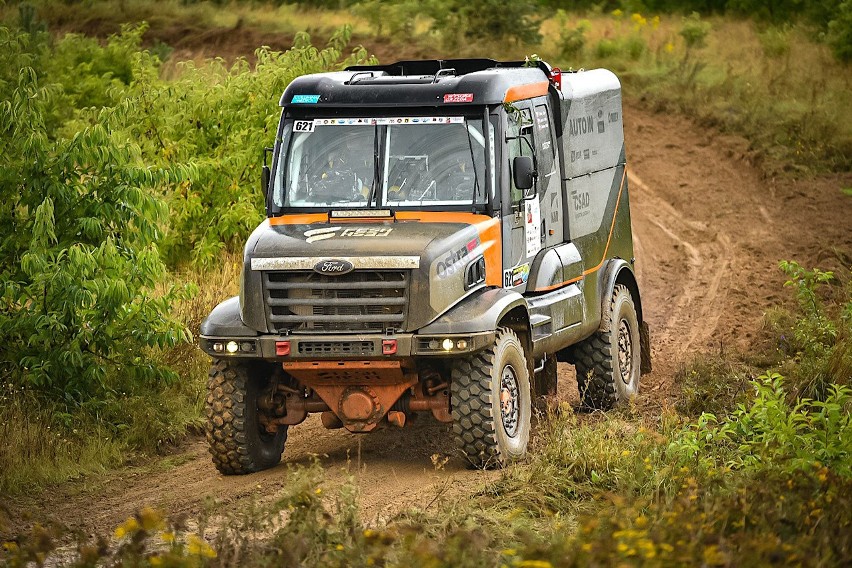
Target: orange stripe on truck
(606,249)
(489,236)
(528,91)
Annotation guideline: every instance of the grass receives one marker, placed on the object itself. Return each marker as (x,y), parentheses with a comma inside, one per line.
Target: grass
(608,490)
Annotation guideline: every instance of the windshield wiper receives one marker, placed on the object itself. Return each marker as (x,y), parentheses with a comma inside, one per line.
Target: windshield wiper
(374,187)
(473,162)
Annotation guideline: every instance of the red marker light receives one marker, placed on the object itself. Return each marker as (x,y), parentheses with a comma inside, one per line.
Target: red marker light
(556,77)
(388,346)
(282,348)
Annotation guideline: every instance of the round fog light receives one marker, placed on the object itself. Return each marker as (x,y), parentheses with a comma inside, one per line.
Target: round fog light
(447,344)
(218,347)
(232,347)
(461,344)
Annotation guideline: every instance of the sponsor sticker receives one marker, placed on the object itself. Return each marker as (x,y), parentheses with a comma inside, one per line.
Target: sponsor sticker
(455,260)
(532,226)
(458,98)
(305,99)
(386,121)
(366,232)
(315,235)
(516,276)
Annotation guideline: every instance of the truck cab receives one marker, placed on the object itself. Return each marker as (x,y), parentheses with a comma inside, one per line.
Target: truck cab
(439,234)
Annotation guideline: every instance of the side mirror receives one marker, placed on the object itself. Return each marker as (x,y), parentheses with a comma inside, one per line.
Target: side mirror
(265,175)
(523,172)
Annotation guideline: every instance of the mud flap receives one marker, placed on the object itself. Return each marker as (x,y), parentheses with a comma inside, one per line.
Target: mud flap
(644,348)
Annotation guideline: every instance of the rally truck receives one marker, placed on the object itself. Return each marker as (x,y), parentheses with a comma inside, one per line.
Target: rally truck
(439,234)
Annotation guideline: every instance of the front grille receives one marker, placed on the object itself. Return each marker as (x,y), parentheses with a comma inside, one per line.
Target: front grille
(372,301)
(337,348)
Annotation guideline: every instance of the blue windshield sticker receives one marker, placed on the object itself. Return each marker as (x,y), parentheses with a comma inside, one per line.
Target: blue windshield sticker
(305,99)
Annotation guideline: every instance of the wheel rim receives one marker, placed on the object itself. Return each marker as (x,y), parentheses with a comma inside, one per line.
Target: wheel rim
(625,351)
(510,410)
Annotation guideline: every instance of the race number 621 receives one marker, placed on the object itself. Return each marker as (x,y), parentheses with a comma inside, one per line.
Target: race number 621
(303,126)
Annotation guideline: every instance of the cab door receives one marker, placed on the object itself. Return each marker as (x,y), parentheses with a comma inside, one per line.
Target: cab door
(522,215)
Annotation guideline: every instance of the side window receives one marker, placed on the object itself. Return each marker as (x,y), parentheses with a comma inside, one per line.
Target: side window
(544,137)
(520,144)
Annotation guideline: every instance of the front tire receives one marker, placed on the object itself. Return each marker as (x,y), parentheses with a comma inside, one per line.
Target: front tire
(491,403)
(238,442)
(608,362)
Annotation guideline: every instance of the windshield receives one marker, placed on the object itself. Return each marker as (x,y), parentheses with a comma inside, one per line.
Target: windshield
(400,161)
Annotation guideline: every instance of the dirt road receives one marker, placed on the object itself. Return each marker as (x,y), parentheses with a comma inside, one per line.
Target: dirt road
(709,234)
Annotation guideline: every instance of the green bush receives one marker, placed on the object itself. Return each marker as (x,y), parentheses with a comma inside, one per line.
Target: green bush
(78,259)
(572,40)
(694,31)
(840,32)
(486,21)
(771,433)
(775,42)
(820,340)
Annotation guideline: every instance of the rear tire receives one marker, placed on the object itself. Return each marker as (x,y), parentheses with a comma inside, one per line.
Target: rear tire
(491,403)
(608,362)
(238,442)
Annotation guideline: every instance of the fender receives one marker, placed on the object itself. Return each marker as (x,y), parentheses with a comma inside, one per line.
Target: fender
(481,311)
(225,321)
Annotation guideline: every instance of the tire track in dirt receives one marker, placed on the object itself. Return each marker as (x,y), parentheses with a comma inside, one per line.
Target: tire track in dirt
(709,232)
(706,261)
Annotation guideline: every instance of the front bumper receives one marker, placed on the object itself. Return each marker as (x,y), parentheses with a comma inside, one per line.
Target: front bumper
(361,346)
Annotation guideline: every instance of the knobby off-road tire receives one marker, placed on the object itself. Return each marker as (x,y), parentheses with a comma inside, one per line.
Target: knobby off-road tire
(608,362)
(491,403)
(238,442)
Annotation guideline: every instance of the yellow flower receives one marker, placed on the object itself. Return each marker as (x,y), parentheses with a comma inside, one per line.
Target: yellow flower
(128,526)
(534,564)
(151,519)
(10,546)
(510,552)
(196,545)
(617,13)
(641,521)
(339,547)
(318,491)
(168,537)
(625,453)
(669,47)
(639,20)
(713,556)
(156,561)
(655,22)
